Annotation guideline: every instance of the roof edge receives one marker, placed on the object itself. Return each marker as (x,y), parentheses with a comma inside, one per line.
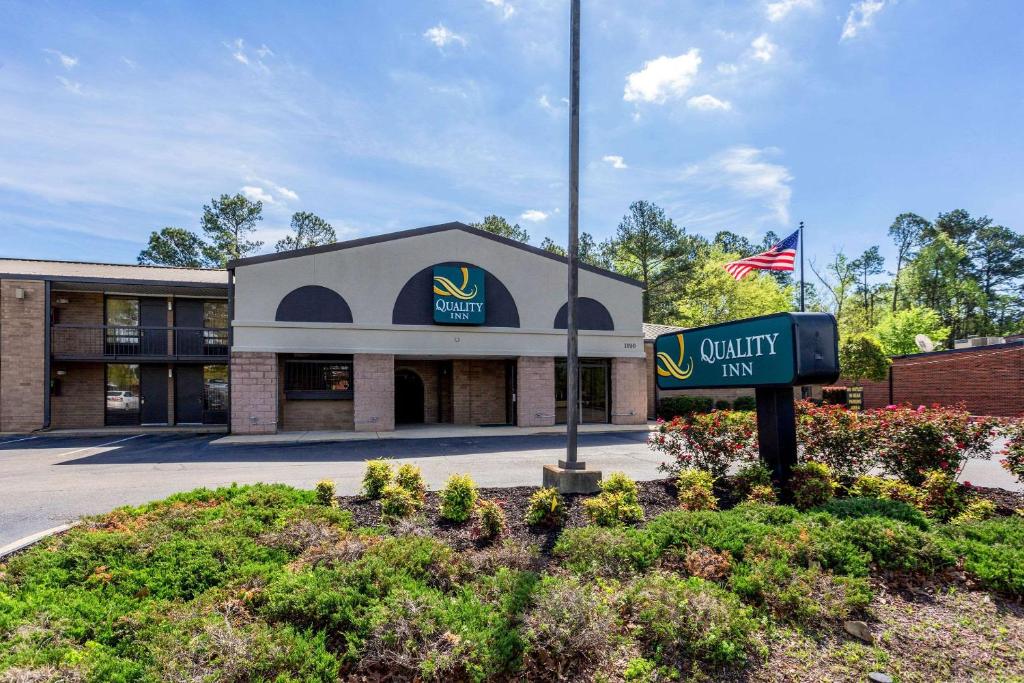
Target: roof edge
(426,230)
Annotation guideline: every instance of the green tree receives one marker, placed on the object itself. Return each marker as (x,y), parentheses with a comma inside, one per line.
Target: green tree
(713,296)
(839,280)
(907,232)
(592,252)
(868,265)
(649,247)
(861,357)
(937,279)
(310,231)
(997,256)
(499,226)
(897,330)
(729,242)
(175,247)
(228,222)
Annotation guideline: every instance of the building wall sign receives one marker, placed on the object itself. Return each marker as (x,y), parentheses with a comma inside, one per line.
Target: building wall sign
(459,296)
(779,350)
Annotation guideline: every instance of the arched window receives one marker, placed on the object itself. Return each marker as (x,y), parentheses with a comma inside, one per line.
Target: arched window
(591,314)
(313,304)
(415,303)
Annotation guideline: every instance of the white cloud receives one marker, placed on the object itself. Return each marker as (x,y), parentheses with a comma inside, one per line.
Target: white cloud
(441,36)
(746,171)
(264,51)
(257,194)
(708,103)
(533,215)
(780,9)
(615,160)
(70,86)
(545,103)
(285,192)
(663,78)
(861,16)
(237,48)
(507,10)
(763,48)
(67,61)
(727,69)
(129,63)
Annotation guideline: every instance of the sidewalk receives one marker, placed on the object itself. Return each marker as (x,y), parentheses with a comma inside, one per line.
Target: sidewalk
(438,431)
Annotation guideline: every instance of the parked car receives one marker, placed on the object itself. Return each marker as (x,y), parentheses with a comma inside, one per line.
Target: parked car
(122,400)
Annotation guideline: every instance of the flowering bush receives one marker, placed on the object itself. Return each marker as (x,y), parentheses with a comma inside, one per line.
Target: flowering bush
(840,438)
(912,442)
(1013,454)
(709,442)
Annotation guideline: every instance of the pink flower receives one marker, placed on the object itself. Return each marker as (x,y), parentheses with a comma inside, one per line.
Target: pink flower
(944,464)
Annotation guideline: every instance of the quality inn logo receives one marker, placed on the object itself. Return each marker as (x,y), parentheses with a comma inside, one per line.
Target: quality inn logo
(671,368)
(445,287)
(459,295)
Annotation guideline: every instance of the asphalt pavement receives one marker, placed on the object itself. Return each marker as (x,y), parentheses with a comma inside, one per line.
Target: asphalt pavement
(46,481)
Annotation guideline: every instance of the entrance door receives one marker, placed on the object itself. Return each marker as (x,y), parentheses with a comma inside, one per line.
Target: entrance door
(188,394)
(594,392)
(153,386)
(153,320)
(188,313)
(408,397)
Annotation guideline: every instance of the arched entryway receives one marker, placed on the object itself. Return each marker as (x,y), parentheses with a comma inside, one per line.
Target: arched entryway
(408,397)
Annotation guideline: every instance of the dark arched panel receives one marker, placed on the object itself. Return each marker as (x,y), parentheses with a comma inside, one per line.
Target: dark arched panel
(415,303)
(591,313)
(313,304)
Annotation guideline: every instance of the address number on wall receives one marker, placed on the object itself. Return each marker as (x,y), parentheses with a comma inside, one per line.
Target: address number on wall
(629,345)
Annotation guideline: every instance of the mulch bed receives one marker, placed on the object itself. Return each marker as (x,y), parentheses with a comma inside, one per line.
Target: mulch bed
(1006,501)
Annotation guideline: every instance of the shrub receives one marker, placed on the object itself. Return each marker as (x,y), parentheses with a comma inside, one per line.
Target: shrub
(680,619)
(410,478)
(764,495)
(490,520)
(695,490)
(378,475)
(325,493)
(397,502)
(618,503)
(891,545)
(840,438)
(744,403)
(940,495)
(708,564)
(1013,454)
(750,475)
(458,497)
(722,404)
(993,552)
(599,551)
(675,406)
(546,508)
(913,442)
(568,631)
(709,442)
(800,594)
(855,508)
(977,510)
(811,485)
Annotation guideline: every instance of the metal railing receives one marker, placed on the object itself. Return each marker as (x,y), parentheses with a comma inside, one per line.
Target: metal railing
(105,342)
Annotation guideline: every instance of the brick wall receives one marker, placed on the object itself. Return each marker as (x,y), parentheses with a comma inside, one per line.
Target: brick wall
(253,392)
(536,391)
(82,397)
(478,392)
(301,416)
(22,355)
(629,391)
(374,383)
(652,388)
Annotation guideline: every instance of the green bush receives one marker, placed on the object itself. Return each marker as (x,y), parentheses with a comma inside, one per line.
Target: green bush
(722,404)
(940,495)
(695,490)
(599,551)
(811,485)
(855,508)
(744,403)
(891,544)
(993,551)
(546,508)
(677,406)
(397,502)
(410,478)
(458,497)
(378,475)
(800,594)
(618,503)
(490,520)
(748,476)
(977,510)
(764,495)
(325,492)
(682,619)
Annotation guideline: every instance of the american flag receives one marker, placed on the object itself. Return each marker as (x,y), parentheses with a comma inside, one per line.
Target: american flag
(779,257)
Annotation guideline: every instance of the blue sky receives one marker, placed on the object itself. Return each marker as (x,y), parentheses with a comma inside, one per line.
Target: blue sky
(119,118)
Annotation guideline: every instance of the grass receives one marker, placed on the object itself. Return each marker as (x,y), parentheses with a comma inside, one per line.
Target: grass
(266,583)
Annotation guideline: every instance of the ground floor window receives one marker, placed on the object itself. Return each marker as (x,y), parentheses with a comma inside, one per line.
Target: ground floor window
(595,390)
(215,394)
(122,394)
(317,379)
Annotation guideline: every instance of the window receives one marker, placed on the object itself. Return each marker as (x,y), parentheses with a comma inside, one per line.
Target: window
(122,326)
(122,395)
(317,379)
(215,322)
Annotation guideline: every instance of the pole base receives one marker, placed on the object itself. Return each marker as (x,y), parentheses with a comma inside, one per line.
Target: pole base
(572,481)
(575,465)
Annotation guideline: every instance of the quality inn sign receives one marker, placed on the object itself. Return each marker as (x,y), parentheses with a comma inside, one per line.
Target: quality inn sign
(779,350)
(459,295)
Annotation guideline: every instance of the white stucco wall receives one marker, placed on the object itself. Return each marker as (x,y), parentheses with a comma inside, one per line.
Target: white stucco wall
(370,277)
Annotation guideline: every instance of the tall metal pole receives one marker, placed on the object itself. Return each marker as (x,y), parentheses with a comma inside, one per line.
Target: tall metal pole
(802,266)
(572,365)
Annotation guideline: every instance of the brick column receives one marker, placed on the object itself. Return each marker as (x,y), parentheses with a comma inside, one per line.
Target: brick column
(629,391)
(253,392)
(374,383)
(652,382)
(462,406)
(23,383)
(535,391)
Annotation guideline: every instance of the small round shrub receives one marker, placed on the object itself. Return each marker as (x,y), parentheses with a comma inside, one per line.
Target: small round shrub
(378,475)
(410,478)
(458,497)
(750,475)
(764,495)
(546,508)
(397,502)
(490,520)
(708,564)
(618,503)
(695,490)
(744,403)
(325,493)
(811,485)
(940,495)
(977,510)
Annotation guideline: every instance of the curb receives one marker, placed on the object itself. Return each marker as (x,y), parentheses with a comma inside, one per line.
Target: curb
(28,541)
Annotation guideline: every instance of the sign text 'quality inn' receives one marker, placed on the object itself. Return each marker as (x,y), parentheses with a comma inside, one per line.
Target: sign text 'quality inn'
(775,350)
(459,295)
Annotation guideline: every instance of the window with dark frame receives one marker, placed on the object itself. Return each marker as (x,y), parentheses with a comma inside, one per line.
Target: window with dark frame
(317,379)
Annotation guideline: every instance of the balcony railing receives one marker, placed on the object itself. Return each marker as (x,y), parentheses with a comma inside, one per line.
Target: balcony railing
(114,342)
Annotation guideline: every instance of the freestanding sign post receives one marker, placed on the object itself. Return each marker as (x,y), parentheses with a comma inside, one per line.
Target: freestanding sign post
(771,354)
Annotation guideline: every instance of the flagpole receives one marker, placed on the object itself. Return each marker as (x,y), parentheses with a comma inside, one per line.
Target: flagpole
(802,266)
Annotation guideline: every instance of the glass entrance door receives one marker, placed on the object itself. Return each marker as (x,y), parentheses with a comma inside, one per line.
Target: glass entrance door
(595,391)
